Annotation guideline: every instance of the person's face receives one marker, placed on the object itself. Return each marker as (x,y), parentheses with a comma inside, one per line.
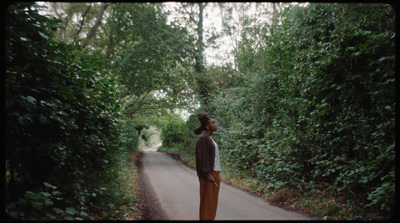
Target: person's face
(212,126)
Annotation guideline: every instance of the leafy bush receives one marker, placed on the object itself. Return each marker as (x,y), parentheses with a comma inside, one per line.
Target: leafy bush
(63,121)
(316,103)
(34,204)
(174,133)
(130,136)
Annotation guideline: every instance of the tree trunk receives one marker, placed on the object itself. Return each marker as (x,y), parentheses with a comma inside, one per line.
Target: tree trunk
(200,45)
(99,19)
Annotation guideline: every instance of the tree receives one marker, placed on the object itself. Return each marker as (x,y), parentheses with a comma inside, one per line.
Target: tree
(89,19)
(196,18)
(147,55)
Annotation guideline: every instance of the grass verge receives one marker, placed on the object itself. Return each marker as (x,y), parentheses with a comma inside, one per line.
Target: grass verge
(129,181)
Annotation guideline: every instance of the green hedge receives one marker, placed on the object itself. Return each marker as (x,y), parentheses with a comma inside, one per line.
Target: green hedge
(317,103)
(62,124)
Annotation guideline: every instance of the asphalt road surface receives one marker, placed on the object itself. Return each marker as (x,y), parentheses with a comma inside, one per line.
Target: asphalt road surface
(172,189)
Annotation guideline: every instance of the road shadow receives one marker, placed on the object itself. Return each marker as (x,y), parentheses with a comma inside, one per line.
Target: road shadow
(150,204)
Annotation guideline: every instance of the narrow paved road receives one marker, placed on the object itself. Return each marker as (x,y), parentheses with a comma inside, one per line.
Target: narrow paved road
(175,189)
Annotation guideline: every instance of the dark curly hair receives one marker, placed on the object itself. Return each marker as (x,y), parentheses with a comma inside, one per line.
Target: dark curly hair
(204,119)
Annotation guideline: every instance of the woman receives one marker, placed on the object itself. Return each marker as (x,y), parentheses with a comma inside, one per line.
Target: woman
(207,167)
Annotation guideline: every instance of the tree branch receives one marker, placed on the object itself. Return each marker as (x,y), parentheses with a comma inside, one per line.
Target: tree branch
(81,25)
(139,101)
(99,19)
(190,14)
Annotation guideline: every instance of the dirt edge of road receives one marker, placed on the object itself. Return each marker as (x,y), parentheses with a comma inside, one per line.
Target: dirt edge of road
(150,205)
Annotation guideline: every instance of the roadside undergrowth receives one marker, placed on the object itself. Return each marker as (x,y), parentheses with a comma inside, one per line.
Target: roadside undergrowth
(319,201)
(129,180)
(186,158)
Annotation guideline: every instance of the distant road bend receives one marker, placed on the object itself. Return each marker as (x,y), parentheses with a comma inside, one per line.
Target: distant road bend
(173,188)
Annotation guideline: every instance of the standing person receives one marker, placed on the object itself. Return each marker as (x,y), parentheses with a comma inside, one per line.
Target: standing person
(207,167)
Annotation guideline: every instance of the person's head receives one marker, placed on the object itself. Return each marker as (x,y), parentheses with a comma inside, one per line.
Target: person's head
(207,124)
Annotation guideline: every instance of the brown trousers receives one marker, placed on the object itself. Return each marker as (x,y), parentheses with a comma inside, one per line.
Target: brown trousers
(209,197)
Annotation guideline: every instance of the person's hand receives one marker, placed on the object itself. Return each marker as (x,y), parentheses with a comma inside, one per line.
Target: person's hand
(211,179)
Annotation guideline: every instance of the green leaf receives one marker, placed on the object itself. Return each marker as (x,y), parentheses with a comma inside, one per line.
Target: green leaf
(29,195)
(49,185)
(58,210)
(48,202)
(68,218)
(38,205)
(43,35)
(46,194)
(31,99)
(42,119)
(70,210)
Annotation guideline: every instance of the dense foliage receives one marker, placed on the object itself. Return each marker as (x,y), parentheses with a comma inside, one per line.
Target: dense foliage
(63,124)
(174,133)
(78,105)
(317,103)
(147,55)
(309,102)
